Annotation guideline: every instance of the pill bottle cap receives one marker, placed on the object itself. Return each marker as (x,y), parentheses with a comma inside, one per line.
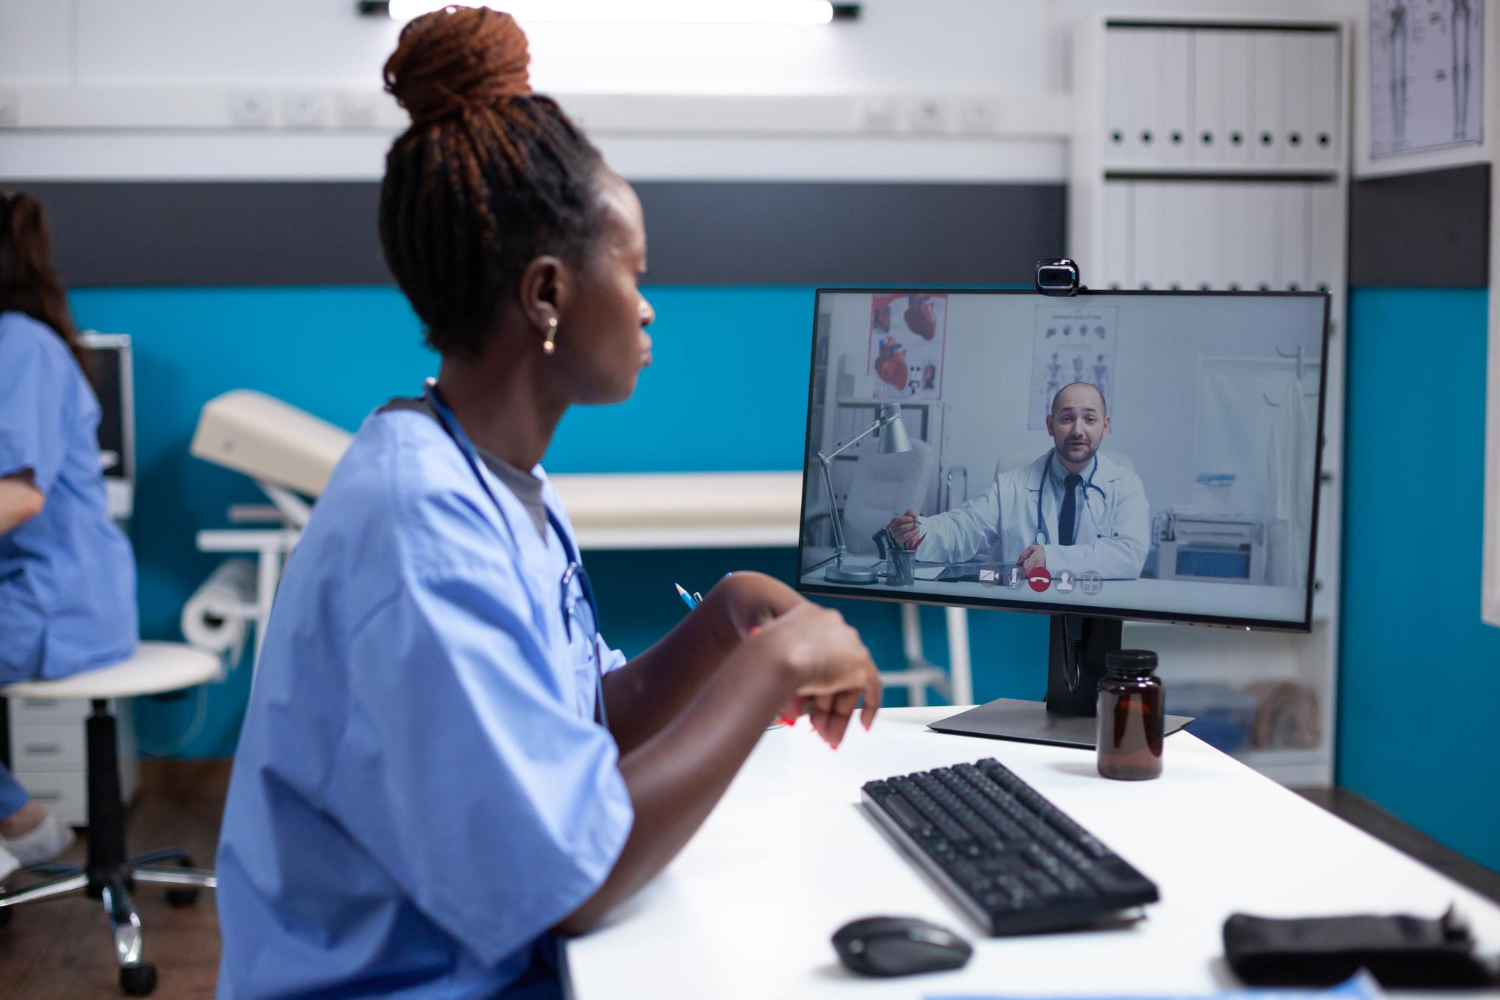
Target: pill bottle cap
(1130,662)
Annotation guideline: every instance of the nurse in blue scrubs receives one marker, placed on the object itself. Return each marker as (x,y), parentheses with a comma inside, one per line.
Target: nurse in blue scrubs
(444,767)
(67,577)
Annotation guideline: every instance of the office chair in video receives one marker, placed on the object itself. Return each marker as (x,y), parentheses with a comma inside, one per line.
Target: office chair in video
(884,485)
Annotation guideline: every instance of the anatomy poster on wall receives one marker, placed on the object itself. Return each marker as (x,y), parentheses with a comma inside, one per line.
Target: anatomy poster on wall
(907,333)
(1072,343)
(1426,75)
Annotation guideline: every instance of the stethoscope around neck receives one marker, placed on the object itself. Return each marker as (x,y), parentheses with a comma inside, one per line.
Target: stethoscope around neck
(455,430)
(1043,536)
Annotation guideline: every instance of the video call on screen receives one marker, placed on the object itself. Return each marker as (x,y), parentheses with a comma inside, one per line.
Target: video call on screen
(1202,489)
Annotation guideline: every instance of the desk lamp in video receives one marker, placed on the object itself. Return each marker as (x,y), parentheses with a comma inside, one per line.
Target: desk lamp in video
(893,440)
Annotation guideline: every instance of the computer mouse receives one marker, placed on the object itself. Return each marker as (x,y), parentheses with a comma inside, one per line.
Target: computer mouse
(898,946)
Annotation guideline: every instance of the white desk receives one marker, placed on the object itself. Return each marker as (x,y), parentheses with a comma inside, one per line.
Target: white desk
(1240,600)
(788,856)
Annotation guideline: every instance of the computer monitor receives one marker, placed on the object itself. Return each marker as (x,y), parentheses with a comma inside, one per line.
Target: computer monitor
(1096,457)
(113,379)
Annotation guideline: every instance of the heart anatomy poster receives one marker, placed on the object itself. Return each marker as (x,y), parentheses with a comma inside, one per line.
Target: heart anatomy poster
(1071,344)
(907,335)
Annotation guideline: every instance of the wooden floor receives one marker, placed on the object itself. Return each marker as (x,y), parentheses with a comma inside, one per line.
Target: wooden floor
(61,949)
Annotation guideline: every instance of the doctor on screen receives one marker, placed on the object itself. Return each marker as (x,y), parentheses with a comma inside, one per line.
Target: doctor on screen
(1073,508)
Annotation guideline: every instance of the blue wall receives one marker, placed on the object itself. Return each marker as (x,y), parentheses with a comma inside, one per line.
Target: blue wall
(1413,699)
(720,354)
(1419,675)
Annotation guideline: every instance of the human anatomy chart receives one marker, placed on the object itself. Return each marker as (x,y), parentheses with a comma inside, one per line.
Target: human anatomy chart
(1426,75)
(1071,343)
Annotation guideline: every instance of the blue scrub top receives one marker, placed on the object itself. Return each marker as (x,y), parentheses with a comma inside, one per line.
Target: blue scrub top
(420,791)
(67,576)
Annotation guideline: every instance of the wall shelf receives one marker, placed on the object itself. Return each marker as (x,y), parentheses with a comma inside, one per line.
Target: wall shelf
(1158,198)
(683,510)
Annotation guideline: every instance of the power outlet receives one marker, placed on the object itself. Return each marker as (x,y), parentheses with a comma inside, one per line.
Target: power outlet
(929,115)
(302,109)
(979,114)
(10,107)
(250,109)
(356,109)
(881,115)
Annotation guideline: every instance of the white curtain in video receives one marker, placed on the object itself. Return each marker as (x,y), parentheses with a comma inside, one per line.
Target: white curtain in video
(1256,450)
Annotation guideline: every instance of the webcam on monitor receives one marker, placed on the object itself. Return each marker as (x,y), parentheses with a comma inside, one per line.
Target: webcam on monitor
(1057,276)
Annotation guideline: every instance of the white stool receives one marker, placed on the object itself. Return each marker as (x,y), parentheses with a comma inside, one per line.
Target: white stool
(156,667)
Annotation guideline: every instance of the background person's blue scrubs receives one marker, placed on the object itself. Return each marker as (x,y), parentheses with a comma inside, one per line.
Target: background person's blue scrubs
(67,575)
(420,791)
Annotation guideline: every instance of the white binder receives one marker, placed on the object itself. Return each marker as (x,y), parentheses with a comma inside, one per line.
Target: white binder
(1177,235)
(1174,62)
(1292,273)
(1296,93)
(1264,231)
(1237,226)
(1150,235)
(1238,75)
(1205,250)
(1266,121)
(1119,241)
(1143,47)
(1209,140)
(1117,147)
(1324,98)
(1325,247)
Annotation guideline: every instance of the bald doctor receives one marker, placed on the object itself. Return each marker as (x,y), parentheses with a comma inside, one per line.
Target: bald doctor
(1073,508)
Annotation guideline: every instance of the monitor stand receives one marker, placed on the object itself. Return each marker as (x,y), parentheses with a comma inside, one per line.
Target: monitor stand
(1067,717)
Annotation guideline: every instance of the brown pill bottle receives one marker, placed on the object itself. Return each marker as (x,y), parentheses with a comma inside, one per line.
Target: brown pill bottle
(1130,716)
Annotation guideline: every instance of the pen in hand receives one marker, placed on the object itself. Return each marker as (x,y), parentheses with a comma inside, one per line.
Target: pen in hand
(692,601)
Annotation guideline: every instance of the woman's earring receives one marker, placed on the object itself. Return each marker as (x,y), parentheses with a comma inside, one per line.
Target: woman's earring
(550,345)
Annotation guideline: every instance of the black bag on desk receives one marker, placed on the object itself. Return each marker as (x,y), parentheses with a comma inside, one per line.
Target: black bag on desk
(1399,951)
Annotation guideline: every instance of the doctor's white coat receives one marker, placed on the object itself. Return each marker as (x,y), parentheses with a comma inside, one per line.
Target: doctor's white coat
(1114,529)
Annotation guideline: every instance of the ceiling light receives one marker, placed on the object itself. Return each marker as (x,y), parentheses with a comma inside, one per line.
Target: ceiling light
(793,12)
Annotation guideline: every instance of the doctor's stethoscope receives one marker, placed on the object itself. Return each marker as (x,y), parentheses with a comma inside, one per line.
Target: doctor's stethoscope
(575,569)
(1043,536)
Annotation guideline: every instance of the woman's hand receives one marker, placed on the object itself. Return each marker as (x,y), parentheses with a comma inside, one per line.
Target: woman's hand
(753,599)
(831,668)
(20,501)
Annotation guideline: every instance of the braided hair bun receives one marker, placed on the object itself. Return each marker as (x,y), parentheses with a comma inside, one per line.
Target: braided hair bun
(456,59)
(488,177)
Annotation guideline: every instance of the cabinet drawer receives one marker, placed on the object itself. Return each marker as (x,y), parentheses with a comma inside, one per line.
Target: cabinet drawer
(62,792)
(47,748)
(48,711)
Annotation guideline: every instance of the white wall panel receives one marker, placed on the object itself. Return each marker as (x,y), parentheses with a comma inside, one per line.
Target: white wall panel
(896,45)
(361,156)
(1007,58)
(36,42)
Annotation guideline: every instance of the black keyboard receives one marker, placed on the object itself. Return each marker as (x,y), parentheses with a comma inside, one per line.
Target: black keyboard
(1015,862)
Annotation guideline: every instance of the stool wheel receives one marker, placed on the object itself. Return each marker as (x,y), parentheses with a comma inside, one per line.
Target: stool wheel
(138,980)
(4,916)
